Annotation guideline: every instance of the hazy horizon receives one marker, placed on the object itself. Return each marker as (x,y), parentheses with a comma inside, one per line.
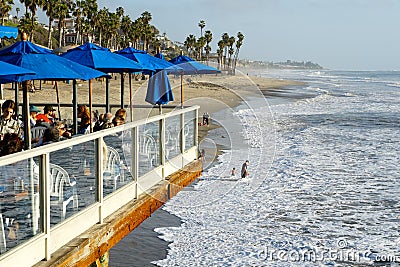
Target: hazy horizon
(337,34)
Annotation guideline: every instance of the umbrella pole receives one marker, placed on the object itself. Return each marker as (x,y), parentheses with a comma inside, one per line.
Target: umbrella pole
(25,116)
(75,105)
(16,100)
(107,95)
(182,96)
(90,104)
(130,96)
(122,89)
(58,101)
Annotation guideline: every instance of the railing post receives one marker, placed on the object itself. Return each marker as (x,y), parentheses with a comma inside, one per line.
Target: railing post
(196,129)
(162,145)
(135,158)
(44,193)
(182,135)
(99,146)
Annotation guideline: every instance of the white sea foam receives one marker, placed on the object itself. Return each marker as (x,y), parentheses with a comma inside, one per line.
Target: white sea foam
(333,185)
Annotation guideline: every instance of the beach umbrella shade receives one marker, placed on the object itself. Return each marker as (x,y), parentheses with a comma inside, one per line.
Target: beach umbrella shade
(100,58)
(8,32)
(159,90)
(160,56)
(191,67)
(47,66)
(147,61)
(9,71)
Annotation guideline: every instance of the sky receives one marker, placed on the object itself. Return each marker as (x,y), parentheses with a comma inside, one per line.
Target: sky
(337,34)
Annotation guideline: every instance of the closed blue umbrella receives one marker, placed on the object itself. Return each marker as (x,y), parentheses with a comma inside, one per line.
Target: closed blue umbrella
(159,91)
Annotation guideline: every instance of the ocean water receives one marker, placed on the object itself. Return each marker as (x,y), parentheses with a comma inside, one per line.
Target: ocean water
(324,184)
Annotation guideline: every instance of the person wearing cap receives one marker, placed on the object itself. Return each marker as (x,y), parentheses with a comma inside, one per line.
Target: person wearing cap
(48,115)
(33,110)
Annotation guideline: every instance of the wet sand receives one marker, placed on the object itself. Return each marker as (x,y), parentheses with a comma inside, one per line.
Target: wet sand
(211,92)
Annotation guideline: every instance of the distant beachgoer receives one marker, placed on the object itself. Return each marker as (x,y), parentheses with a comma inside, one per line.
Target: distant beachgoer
(233,172)
(244,171)
(206,117)
(202,155)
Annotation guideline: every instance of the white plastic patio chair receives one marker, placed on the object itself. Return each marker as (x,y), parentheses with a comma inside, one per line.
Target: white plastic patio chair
(114,168)
(63,190)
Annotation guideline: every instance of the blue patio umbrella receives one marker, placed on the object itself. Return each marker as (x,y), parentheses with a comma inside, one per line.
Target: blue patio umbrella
(103,59)
(8,71)
(47,66)
(159,90)
(9,32)
(191,67)
(160,56)
(148,61)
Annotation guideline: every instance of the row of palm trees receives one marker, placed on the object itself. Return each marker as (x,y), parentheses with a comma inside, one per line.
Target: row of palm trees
(226,52)
(110,29)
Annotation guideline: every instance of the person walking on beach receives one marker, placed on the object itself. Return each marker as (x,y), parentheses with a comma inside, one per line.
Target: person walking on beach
(244,171)
(233,172)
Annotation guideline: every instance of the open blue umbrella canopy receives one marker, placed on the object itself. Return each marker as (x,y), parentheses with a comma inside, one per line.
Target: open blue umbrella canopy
(191,66)
(9,71)
(100,58)
(45,64)
(147,61)
(160,56)
(159,91)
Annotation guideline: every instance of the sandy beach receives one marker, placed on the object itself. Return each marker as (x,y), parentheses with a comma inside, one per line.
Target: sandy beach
(210,92)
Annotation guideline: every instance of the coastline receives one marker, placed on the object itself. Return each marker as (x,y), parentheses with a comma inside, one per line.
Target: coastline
(159,247)
(212,93)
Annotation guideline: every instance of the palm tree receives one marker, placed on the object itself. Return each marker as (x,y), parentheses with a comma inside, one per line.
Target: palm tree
(225,39)
(126,26)
(5,7)
(220,52)
(239,44)
(78,13)
(201,24)
(25,24)
(201,42)
(48,7)
(208,35)
(190,43)
(61,12)
(231,42)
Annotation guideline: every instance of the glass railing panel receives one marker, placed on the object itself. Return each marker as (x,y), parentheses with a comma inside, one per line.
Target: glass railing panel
(149,147)
(73,185)
(172,137)
(19,203)
(188,129)
(117,160)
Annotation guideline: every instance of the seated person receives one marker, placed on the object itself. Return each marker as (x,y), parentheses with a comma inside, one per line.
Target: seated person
(33,110)
(48,116)
(84,115)
(7,123)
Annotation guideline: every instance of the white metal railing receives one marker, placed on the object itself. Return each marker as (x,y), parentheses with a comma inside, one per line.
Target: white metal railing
(105,170)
